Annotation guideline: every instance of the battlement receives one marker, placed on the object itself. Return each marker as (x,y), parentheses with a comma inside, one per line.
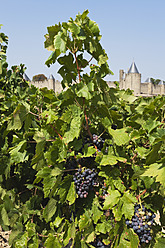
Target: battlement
(130,80)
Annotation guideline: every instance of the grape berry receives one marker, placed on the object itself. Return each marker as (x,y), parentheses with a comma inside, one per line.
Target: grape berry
(141,223)
(98,141)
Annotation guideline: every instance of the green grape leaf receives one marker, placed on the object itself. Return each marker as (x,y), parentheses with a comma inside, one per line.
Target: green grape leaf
(128,205)
(59,43)
(89,233)
(120,136)
(153,155)
(52,242)
(84,221)
(111,199)
(142,152)
(18,153)
(73,28)
(74,130)
(157,171)
(128,239)
(64,189)
(160,243)
(101,227)
(109,160)
(57,221)
(22,242)
(133,239)
(119,185)
(5,217)
(31,229)
(50,209)
(50,115)
(88,151)
(117,211)
(75,124)
(150,124)
(96,213)
(52,32)
(84,92)
(19,115)
(71,196)
(102,59)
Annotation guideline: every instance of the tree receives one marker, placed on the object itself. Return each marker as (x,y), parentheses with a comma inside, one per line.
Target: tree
(155,81)
(39,77)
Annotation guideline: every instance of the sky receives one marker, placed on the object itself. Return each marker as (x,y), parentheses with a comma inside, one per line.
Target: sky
(131,31)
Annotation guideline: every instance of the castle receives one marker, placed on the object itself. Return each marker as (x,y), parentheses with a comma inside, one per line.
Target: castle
(131,80)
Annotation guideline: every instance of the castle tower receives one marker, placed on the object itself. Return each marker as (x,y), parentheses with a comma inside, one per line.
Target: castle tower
(121,79)
(121,75)
(133,79)
(51,82)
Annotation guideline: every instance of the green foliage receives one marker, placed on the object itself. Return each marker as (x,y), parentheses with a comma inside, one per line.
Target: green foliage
(155,81)
(42,134)
(39,77)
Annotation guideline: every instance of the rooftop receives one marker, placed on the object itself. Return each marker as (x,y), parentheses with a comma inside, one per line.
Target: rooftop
(133,68)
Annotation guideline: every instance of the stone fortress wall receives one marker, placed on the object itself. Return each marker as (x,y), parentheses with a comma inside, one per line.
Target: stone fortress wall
(50,83)
(131,80)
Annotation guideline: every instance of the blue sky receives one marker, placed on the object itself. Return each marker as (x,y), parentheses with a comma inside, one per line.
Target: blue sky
(131,30)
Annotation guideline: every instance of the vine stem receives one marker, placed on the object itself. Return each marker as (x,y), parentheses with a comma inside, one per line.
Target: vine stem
(133,158)
(138,196)
(57,132)
(44,236)
(88,130)
(32,141)
(33,114)
(78,68)
(87,126)
(78,103)
(70,170)
(87,62)
(101,133)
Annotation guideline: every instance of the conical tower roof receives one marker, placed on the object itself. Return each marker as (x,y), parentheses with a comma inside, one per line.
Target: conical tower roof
(51,77)
(133,68)
(161,82)
(26,78)
(148,80)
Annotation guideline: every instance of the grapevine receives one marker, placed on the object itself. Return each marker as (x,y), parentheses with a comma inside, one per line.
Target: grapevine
(83,168)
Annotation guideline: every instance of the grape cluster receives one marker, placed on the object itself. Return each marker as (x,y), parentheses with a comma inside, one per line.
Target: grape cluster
(142,222)
(104,190)
(84,180)
(99,244)
(98,141)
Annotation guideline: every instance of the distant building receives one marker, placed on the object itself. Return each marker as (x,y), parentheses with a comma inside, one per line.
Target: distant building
(130,80)
(50,83)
